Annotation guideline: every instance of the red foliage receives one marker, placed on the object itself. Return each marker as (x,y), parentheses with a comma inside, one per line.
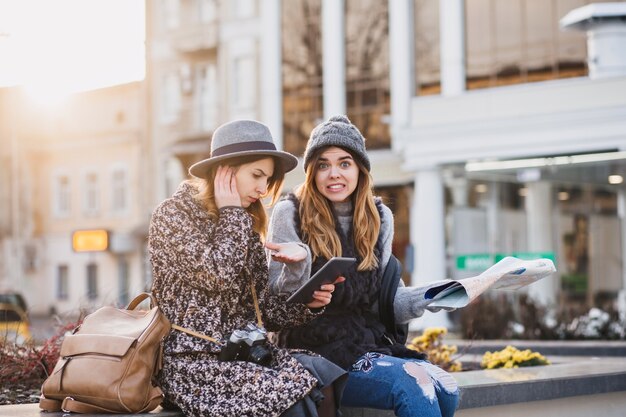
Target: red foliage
(30,364)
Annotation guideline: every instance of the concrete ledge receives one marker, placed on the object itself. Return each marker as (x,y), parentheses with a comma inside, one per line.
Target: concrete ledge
(583,377)
(599,383)
(586,378)
(33,410)
(610,348)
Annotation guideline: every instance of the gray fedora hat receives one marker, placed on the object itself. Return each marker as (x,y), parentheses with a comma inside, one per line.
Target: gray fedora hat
(239,138)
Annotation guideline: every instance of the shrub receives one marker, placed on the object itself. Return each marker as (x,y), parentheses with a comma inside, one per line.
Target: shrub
(487,317)
(28,364)
(431,343)
(520,317)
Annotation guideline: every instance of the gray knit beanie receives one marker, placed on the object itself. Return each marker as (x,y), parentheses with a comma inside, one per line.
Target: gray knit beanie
(337,131)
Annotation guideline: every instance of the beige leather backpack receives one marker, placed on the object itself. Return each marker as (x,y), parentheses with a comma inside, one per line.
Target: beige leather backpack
(109,363)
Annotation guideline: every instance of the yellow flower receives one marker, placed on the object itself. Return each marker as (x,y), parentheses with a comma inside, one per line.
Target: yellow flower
(511,357)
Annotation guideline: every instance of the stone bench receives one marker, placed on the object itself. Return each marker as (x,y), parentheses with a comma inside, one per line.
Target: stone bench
(575,386)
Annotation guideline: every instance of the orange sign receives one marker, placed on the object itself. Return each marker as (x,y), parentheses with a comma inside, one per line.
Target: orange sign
(90,240)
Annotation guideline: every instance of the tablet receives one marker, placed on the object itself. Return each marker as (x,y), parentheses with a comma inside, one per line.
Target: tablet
(327,274)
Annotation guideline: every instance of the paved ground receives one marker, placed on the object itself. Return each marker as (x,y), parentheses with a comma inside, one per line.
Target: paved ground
(43,327)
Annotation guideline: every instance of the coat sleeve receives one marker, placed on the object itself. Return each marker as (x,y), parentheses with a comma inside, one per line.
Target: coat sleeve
(386,231)
(409,302)
(285,278)
(281,315)
(178,245)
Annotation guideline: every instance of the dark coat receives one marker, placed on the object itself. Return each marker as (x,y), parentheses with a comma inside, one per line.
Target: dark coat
(202,273)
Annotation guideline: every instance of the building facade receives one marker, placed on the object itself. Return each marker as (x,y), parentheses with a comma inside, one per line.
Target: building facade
(535,168)
(494,128)
(439,88)
(81,167)
(205,66)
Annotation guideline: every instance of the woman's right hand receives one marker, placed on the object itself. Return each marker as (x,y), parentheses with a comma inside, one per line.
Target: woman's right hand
(323,296)
(225,188)
(288,252)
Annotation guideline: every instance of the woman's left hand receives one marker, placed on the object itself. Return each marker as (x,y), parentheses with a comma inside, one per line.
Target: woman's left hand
(322,297)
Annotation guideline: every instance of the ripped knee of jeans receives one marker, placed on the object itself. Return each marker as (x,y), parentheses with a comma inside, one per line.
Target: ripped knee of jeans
(422,378)
(444,380)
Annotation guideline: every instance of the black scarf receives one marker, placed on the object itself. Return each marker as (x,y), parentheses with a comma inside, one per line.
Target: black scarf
(351,325)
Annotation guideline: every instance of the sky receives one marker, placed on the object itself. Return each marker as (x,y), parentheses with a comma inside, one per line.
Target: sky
(57,47)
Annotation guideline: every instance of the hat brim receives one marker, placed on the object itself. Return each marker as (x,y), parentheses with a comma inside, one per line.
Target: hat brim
(201,168)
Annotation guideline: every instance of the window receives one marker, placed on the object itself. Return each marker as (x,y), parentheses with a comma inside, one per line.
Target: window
(91,196)
(173,175)
(244,86)
(519,41)
(119,191)
(146,267)
(92,281)
(123,281)
(367,70)
(207,10)
(427,47)
(62,282)
(302,73)
(62,196)
(243,8)
(171,98)
(207,97)
(170,16)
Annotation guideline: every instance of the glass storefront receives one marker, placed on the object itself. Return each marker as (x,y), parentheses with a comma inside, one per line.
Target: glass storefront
(493,212)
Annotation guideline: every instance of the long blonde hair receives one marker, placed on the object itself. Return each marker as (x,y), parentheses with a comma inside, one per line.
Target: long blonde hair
(206,191)
(318,223)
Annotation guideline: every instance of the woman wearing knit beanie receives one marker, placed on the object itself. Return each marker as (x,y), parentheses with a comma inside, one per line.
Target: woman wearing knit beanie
(334,213)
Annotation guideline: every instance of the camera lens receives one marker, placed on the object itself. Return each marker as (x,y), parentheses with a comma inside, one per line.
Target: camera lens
(260,355)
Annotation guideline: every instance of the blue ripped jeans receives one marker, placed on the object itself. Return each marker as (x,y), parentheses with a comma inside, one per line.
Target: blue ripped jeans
(410,387)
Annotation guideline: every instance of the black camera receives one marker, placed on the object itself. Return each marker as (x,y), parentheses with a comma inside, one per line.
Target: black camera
(249,344)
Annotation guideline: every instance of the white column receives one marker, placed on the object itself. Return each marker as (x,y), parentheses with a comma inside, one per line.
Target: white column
(606,34)
(427,237)
(452,46)
(334,57)
(17,278)
(401,61)
(621,212)
(539,226)
(605,49)
(493,210)
(271,69)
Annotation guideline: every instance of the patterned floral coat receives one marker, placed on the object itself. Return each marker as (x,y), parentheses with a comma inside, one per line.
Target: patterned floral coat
(202,272)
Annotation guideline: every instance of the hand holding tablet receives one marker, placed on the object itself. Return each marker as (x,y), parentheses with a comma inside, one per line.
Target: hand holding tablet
(332,269)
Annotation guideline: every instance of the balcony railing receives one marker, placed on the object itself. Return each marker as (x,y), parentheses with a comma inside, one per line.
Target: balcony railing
(192,122)
(196,37)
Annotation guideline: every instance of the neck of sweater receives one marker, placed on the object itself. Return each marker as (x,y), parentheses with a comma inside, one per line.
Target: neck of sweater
(344,214)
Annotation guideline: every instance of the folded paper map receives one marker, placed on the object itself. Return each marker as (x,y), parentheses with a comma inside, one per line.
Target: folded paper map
(508,274)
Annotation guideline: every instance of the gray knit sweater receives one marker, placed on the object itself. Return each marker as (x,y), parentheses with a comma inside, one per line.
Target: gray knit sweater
(409,302)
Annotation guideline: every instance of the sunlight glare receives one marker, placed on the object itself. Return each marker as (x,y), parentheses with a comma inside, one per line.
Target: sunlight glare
(56,48)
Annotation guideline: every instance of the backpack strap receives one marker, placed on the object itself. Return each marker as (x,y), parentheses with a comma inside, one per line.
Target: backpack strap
(49,405)
(388,288)
(70,405)
(137,300)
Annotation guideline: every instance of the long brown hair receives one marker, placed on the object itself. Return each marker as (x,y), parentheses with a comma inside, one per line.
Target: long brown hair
(206,190)
(318,223)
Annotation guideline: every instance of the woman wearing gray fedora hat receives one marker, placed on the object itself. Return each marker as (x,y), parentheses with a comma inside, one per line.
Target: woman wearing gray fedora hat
(210,279)
(334,213)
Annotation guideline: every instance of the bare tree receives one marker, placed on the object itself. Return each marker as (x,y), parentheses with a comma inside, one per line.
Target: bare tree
(367,66)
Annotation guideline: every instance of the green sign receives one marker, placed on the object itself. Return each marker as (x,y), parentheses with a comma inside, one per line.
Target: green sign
(476,262)
(482,261)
